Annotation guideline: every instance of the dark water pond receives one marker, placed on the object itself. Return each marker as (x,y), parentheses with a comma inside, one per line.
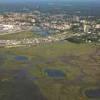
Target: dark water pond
(21,58)
(23,73)
(55,73)
(93,93)
(19,74)
(40,31)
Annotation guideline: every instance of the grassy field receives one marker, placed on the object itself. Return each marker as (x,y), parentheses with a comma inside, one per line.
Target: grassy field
(20,35)
(80,64)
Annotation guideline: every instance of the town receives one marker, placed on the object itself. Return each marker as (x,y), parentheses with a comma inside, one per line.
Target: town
(71,27)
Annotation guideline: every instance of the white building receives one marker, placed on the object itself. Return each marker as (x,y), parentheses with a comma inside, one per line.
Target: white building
(97,26)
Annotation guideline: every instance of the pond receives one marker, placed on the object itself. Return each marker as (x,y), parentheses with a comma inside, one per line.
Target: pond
(19,74)
(40,31)
(93,93)
(43,32)
(22,74)
(21,58)
(55,73)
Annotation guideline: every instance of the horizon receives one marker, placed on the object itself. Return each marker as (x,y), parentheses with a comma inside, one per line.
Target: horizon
(21,1)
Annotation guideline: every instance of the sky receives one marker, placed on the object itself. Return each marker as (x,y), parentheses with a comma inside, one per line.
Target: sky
(41,0)
(14,1)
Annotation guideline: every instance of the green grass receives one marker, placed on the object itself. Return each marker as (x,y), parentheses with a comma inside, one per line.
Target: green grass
(75,60)
(20,35)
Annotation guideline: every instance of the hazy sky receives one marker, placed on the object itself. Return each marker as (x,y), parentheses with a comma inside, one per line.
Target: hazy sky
(44,0)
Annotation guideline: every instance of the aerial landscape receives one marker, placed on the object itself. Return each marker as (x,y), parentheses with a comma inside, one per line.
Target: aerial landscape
(49,50)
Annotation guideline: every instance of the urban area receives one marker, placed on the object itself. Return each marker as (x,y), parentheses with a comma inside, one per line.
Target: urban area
(55,27)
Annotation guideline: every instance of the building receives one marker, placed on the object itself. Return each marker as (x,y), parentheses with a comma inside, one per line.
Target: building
(97,26)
